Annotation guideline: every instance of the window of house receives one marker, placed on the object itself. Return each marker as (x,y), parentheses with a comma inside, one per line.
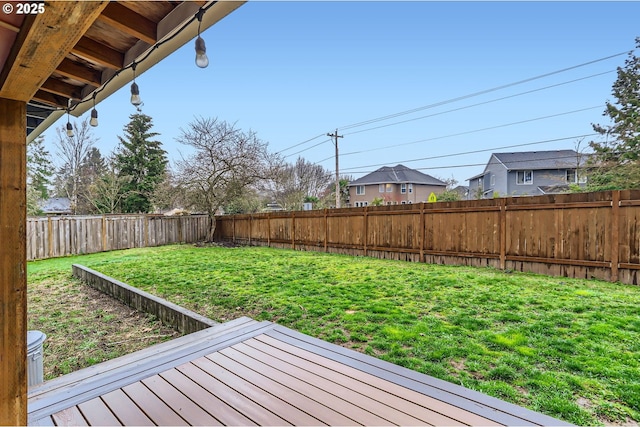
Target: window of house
(360,190)
(389,188)
(366,203)
(410,202)
(404,203)
(403,188)
(493,180)
(480,184)
(381,188)
(410,188)
(524,177)
(573,177)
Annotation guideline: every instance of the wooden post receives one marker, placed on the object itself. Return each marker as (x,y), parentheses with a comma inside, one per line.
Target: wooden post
(104,233)
(502,229)
(250,218)
(293,230)
(268,229)
(326,229)
(13,262)
(366,230)
(423,232)
(615,234)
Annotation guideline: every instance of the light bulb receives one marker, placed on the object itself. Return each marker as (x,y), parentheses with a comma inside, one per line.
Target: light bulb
(94,118)
(69,130)
(135,94)
(201,53)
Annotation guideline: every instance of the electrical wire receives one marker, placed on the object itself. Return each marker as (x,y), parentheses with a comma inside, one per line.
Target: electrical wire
(464,133)
(460,98)
(356,168)
(482,92)
(481,103)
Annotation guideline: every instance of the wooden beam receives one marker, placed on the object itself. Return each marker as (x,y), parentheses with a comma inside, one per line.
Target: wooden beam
(47,42)
(13,262)
(130,22)
(51,99)
(98,52)
(61,88)
(75,71)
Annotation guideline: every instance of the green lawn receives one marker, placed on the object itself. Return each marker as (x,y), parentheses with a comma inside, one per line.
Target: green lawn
(568,348)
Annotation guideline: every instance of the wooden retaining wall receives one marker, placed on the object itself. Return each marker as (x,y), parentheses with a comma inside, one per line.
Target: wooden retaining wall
(56,236)
(587,235)
(172,315)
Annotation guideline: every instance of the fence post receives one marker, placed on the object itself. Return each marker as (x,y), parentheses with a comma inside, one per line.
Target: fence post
(50,234)
(423,233)
(326,229)
(615,234)
(250,218)
(366,229)
(233,238)
(293,230)
(503,233)
(104,233)
(269,230)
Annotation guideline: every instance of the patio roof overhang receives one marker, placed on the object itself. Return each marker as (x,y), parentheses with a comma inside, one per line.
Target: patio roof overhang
(62,57)
(56,55)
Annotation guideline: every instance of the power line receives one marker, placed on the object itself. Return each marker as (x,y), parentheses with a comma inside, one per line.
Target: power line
(466,132)
(308,148)
(482,92)
(437,104)
(481,103)
(356,168)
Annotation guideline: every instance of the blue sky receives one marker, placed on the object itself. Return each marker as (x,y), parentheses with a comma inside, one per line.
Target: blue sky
(295,70)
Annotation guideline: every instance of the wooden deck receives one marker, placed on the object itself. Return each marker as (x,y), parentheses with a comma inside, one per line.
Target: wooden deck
(258,373)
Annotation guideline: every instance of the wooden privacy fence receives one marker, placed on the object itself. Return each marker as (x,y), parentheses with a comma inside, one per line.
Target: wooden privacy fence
(72,235)
(588,235)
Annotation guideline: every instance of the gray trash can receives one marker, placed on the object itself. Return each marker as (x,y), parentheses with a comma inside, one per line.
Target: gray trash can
(35,371)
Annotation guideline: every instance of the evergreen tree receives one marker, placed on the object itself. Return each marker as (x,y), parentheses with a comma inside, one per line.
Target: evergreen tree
(616,161)
(39,168)
(142,161)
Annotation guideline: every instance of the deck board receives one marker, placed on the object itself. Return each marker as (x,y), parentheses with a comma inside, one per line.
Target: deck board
(221,410)
(188,410)
(427,408)
(249,373)
(97,413)
(465,399)
(386,405)
(125,409)
(153,407)
(251,409)
(303,384)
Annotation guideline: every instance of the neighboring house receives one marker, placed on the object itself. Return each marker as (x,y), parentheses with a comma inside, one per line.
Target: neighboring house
(394,185)
(529,173)
(56,206)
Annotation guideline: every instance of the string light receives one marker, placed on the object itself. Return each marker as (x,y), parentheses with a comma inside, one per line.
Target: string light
(135,90)
(69,127)
(202,60)
(94,113)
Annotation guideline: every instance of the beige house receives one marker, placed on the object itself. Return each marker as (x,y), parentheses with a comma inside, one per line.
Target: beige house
(395,185)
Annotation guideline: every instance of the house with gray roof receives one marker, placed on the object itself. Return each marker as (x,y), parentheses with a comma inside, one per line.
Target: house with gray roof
(394,185)
(528,173)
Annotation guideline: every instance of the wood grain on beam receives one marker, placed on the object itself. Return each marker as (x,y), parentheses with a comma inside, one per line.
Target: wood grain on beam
(58,87)
(13,262)
(51,99)
(102,54)
(130,22)
(75,71)
(49,39)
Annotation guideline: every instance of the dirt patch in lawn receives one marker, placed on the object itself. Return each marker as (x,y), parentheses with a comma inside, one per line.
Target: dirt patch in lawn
(85,327)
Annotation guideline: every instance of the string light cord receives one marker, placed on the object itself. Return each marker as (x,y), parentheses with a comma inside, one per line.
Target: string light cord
(200,12)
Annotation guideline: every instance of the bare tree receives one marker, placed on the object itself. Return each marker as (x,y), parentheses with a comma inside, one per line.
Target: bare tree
(226,162)
(293,183)
(72,152)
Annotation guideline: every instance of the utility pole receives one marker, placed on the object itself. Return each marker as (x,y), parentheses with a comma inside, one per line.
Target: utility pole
(336,136)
